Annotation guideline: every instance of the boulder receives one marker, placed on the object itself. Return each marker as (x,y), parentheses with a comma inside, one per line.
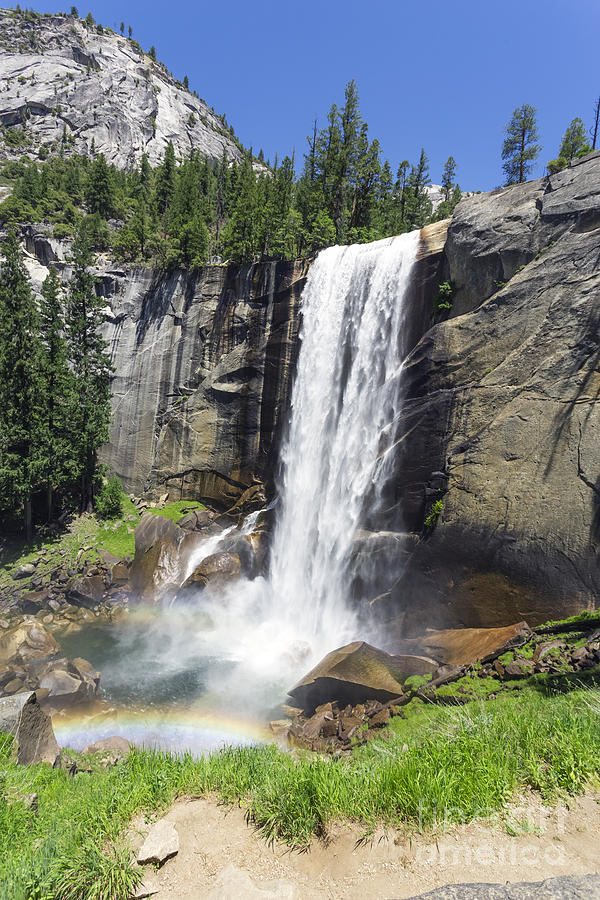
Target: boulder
(23,717)
(24,571)
(65,689)
(156,560)
(197,520)
(27,641)
(218,569)
(113,749)
(87,591)
(160,845)
(463,646)
(358,672)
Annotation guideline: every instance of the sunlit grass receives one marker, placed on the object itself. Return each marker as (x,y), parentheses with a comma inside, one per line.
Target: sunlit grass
(440,764)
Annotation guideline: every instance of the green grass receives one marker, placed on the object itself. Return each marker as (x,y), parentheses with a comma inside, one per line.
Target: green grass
(84,531)
(437,765)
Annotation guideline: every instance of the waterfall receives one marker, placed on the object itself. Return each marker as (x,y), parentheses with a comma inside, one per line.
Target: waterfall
(346,398)
(237,648)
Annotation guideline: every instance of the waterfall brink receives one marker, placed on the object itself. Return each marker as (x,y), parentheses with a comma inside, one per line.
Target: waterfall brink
(345,400)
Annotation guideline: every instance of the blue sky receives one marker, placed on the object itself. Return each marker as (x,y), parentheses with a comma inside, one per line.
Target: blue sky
(442,75)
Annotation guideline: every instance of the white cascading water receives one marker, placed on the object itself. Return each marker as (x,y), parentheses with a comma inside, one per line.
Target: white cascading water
(345,400)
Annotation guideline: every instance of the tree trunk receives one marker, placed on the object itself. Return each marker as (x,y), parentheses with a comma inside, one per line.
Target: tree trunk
(28,521)
(49,500)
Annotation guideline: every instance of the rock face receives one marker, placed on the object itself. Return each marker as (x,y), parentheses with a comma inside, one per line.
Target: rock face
(358,672)
(203,370)
(502,414)
(83,92)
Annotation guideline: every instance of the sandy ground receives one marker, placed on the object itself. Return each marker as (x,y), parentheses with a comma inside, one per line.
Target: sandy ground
(223,858)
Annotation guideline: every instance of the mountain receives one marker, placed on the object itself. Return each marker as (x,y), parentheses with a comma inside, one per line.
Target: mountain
(65,85)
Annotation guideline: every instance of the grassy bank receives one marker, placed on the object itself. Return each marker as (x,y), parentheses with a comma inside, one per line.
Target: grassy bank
(85,533)
(438,764)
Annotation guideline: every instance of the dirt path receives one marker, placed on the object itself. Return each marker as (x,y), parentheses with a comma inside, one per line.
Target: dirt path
(222,858)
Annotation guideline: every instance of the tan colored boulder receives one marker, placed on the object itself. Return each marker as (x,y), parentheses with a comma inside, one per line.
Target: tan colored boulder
(27,641)
(160,845)
(464,646)
(356,673)
(156,560)
(23,717)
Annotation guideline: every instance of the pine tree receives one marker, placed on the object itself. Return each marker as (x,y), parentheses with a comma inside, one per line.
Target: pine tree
(574,142)
(165,180)
(152,52)
(417,208)
(57,467)
(520,148)
(186,83)
(91,367)
(20,386)
(100,191)
(122,27)
(448,176)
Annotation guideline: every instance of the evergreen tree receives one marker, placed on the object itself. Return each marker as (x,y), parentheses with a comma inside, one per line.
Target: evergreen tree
(417,207)
(448,176)
(100,192)
(186,82)
(122,27)
(574,142)
(20,386)
(152,53)
(57,467)
(165,180)
(91,368)
(241,233)
(520,148)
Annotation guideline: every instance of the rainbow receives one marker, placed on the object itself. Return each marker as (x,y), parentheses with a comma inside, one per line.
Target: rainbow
(178,730)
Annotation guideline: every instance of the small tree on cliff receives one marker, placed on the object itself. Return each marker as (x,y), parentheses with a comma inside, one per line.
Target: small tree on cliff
(91,368)
(20,385)
(520,148)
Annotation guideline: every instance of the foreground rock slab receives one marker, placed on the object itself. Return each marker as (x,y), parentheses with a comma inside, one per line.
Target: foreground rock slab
(356,673)
(233,882)
(161,844)
(567,887)
(23,717)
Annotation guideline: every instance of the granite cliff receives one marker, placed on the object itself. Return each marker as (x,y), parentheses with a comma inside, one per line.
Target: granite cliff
(64,85)
(502,413)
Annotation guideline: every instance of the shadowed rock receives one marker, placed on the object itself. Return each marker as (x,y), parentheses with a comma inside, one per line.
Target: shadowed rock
(23,717)
(358,672)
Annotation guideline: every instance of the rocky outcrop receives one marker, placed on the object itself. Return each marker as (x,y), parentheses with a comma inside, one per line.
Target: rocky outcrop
(23,718)
(358,672)
(501,415)
(72,89)
(203,368)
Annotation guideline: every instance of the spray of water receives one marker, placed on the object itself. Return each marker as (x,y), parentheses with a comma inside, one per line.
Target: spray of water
(246,643)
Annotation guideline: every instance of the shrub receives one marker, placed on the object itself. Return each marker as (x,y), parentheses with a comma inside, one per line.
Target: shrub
(444,297)
(109,501)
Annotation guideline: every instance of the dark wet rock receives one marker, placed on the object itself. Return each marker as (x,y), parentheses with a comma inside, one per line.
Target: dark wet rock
(23,717)
(358,672)
(87,591)
(218,569)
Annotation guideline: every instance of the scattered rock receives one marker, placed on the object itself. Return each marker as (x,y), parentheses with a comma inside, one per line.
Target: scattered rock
(24,571)
(160,845)
(87,591)
(23,717)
